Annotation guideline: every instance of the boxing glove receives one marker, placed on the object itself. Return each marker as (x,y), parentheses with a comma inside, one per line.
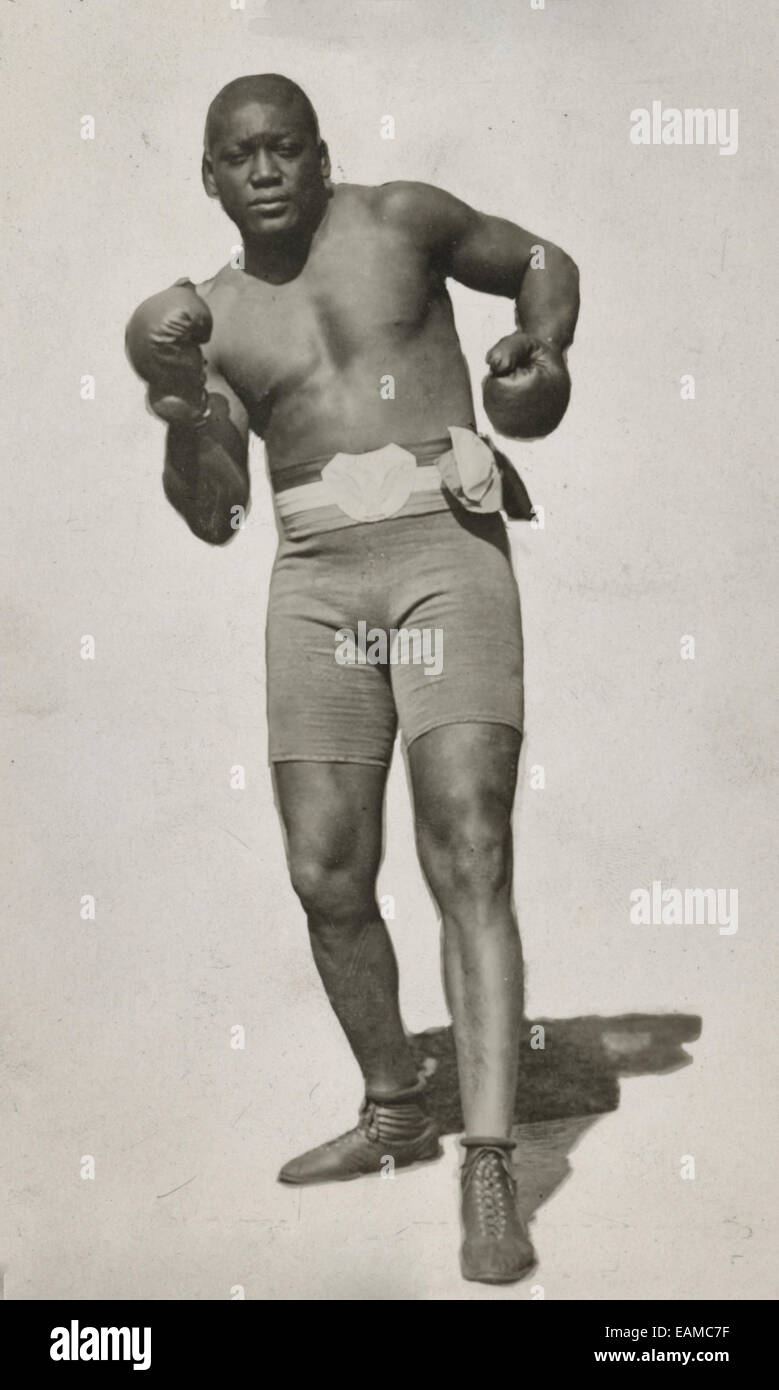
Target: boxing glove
(528,387)
(163,341)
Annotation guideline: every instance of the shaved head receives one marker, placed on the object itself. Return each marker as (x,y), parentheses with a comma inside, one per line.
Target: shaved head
(268,87)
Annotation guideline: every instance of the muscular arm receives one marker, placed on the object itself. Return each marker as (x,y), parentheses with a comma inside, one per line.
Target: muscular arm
(493,255)
(206,469)
(526,392)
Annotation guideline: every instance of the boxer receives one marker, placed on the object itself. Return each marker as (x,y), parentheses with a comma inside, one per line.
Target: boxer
(336,343)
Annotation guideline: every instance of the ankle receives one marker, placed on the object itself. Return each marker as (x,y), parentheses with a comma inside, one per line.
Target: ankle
(485,1141)
(395,1093)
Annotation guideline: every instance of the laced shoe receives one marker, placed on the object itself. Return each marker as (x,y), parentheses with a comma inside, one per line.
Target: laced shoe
(496,1247)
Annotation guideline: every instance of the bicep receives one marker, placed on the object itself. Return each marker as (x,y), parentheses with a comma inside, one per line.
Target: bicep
(489,253)
(483,252)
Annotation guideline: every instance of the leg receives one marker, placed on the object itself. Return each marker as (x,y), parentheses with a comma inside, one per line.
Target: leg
(333,817)
(463,779)
(331,729)
(461,718)
(332,814)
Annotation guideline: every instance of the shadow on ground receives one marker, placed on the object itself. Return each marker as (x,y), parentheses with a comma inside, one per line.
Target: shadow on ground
(563,1087)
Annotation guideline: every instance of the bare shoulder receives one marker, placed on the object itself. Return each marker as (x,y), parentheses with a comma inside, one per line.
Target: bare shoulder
(220,286)
(422,207)
(221,293)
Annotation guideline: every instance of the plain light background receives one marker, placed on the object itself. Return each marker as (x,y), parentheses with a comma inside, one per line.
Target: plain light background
(657,526)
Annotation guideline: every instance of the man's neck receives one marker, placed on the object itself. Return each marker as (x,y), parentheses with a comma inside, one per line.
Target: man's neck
(283,258)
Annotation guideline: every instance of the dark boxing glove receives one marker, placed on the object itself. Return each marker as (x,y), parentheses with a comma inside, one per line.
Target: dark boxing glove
(528,387)
(163,341)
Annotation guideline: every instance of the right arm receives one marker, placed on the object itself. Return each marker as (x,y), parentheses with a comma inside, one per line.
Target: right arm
(206,473)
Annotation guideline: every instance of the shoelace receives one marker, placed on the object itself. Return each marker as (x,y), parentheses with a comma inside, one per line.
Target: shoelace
(493,1184)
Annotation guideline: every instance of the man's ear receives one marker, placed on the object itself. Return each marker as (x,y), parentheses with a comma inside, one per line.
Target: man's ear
(324,163)
(207,174)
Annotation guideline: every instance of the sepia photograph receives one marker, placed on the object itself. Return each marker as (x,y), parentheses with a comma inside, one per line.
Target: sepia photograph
(389,699)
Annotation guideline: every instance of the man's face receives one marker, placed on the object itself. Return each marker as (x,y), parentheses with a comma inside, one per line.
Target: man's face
(266,168)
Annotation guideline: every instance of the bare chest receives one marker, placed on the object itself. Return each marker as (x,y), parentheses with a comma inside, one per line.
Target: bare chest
(355,300)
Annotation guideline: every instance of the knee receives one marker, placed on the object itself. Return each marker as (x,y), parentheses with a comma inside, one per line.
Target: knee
(331,893)
(466,853)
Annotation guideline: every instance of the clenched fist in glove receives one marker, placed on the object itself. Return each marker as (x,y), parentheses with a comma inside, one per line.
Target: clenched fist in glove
(163,342)
(528,387)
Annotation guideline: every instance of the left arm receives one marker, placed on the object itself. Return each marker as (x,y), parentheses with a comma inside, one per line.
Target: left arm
(527,391)
(497,257)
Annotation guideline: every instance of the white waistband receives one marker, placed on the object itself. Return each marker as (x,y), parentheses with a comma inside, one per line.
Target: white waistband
(309,496)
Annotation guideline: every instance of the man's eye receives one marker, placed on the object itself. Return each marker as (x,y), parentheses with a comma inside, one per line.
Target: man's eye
(235,158)
(288,151)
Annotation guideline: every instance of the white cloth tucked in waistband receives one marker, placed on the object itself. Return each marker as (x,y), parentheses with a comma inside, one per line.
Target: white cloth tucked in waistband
(470,472)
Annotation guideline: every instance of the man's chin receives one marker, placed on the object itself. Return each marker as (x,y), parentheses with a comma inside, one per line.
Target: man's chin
(268,223)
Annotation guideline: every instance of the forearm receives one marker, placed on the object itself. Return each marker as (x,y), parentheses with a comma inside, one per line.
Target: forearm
(528,389)
(547,305)
(203,481)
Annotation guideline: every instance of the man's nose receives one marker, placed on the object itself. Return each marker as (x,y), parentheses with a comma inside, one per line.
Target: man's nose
(264,169)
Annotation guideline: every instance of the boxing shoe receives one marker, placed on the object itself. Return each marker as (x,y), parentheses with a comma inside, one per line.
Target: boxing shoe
(393,1127)
(496,1247)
